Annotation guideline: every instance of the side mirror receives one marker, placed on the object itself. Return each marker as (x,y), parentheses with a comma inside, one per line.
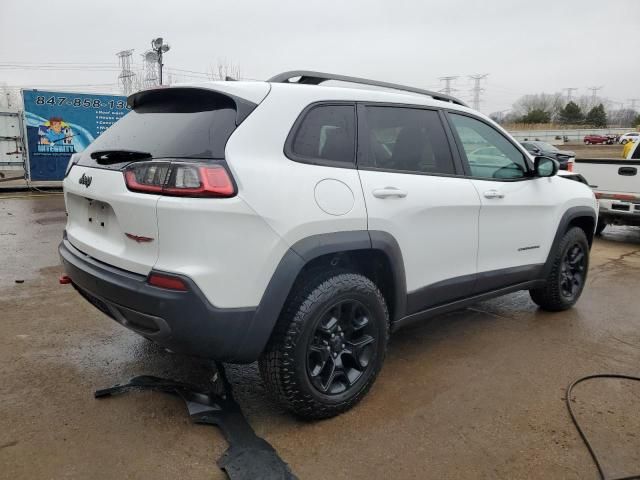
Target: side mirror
(545,167)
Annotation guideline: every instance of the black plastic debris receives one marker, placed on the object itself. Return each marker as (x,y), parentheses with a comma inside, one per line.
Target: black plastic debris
(248,457)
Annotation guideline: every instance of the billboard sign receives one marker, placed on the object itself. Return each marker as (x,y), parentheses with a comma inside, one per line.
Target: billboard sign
(59,124)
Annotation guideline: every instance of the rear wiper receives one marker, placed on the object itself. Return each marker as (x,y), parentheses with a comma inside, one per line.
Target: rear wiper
(106,157)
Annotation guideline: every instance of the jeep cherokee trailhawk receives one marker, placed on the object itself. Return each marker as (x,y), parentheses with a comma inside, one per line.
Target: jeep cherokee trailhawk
(297,224)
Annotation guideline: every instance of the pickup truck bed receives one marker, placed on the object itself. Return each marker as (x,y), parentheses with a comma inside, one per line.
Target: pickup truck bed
(616,184)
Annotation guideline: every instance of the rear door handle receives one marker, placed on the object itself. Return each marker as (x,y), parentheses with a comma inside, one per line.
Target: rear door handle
(388,192)
(493,194)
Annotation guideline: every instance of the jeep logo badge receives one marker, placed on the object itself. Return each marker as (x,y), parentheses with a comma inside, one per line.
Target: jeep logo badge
(85,180)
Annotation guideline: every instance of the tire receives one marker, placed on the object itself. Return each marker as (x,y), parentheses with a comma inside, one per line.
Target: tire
(587,142)
(623,142)
(566,280)
(297,366)
(600,227)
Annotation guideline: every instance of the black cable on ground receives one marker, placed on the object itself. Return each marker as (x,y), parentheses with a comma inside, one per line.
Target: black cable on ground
(582,434)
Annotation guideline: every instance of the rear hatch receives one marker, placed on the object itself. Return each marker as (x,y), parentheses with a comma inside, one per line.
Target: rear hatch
(169,133)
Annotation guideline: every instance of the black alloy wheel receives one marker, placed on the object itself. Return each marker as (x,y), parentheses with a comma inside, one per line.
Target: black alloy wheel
(341,347)
(572,273)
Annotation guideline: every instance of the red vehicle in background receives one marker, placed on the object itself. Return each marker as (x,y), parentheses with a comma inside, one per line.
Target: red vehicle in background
(598,139)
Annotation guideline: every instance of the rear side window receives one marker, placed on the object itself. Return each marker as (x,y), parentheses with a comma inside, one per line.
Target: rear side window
(326,134)
(173,123)
(408,140)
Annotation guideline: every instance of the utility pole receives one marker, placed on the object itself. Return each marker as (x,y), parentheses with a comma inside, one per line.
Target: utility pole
(477,90)
(594,94)
(569,90)
(159,47)
(126,74)
(447,84)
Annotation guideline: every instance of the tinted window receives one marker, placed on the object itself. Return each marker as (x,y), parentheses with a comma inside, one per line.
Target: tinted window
(488,152)
(173,123)
(327,132)
(407,139)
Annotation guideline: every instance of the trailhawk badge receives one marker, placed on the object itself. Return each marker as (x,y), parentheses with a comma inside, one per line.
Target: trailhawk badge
(85,180)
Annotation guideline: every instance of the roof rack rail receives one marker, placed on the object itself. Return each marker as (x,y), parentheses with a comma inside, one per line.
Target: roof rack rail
(308,77)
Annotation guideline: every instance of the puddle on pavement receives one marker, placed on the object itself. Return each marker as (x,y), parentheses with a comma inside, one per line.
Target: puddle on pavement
(52,220)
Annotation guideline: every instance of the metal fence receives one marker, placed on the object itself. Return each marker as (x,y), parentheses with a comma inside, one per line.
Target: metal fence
(556,136)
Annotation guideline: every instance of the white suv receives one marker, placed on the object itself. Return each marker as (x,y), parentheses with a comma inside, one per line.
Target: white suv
(629,137)
(298,224)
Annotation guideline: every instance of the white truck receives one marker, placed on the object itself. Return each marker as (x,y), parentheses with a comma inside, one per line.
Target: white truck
(616,184)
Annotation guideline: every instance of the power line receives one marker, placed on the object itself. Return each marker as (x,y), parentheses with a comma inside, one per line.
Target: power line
(447,84)
(594,94)
(477,90)
(569,91)
(126,74)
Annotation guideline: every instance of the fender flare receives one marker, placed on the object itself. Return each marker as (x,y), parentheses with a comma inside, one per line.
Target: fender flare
(568,216)
(292,263)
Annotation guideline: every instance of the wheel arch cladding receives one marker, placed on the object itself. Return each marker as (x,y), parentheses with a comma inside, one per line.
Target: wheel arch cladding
(582,217)
(375,254)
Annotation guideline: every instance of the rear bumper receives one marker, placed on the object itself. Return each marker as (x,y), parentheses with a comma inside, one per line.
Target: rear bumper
(619,212)
(184,322)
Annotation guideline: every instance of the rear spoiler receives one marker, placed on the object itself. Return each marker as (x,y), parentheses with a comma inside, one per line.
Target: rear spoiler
(188,100)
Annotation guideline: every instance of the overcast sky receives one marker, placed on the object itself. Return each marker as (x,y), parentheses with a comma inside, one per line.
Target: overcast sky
(524,46)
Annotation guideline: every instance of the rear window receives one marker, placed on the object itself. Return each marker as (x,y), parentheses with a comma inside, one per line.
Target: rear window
(172,123)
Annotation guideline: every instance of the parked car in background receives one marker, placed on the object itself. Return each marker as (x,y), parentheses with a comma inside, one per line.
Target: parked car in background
(544,149)
(630,136)
(597,139)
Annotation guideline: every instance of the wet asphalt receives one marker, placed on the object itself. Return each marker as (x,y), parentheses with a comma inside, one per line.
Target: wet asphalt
(477,393)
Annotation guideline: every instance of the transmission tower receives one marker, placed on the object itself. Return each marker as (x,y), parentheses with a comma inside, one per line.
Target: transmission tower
(569,91)
(150,69)
(447,84)
(594,94)
(477,89)
(126,74)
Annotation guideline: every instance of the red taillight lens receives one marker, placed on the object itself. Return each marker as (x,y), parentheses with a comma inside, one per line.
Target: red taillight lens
(167,281)
(180,179)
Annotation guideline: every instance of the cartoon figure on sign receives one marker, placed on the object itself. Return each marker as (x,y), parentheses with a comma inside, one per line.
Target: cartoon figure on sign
(55,132)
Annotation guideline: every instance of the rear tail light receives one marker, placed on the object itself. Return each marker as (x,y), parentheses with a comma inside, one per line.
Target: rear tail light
(617,196)
(180,179)
(570,164)
(169,282)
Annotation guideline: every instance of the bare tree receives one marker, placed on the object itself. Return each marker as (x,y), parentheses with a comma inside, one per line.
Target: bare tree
(223,69)
(546,102)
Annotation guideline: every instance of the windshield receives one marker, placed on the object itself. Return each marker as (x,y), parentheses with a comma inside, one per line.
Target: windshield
(547,147)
